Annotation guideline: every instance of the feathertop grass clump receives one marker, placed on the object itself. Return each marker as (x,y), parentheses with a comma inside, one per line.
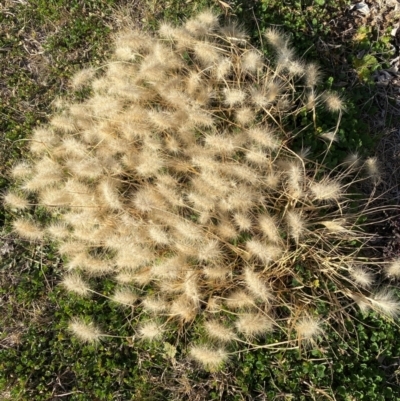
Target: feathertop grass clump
(176,178)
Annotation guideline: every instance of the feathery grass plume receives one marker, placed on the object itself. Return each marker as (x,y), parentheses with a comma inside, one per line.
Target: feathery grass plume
(393,269)
(257,156)
(15,201)
(330,136)
(333,102)
(234,97)
(63,123)
(146,199)
(257,286)
(285,56)
(208,19)
(73,282)
(243,221)
(43,139)
(196,28)
(234,33)
(296,225)
(218,273)
(219,332)
(244,115)
(159,236)
(209,251)
(362,301)
(386,302)
(241,199)
(264,136)
(313,75)
(253,324)
(243,173)
(336,226)
(71,248)
(73,147)
(206,52)
(124,296)
(211,359)
(307,328)
(155,304)
(275,37)
(21,170)
(85,332)
(373,169)
(269,228)
(361,277)
(273,89)
(353,159)
(27,229)
(223,68)
(191,287)
(295,178)
(258,97)
(251,61)
(149,163)
(150,331)
(90,168)
(326,190)
(183,308)
(263,251)
(239,299)
(170,268)
(55,197)
(223,144)
(58,230)
(188,230)
(296,68)
(226,230)
(82,78)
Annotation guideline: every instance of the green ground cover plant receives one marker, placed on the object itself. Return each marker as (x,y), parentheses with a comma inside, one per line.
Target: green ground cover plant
(131,368)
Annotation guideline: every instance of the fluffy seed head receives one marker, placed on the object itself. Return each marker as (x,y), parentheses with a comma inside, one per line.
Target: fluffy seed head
(326,190)
(296,225)
(210,358)
(15,201)
(234,97)
(362,277)
(251,61)
(206,53)
(85,332)
(393,269)
(373,169)
(27,229)
(21,170)
(265,252)
(82,78)
(124,296)
(308,328)
(219,331)
(386,302)
(275,37)
(253,324)
(239,299)
(269,228)
(313,75)
(333,102)
(73,282)
(257,286)
(150,331)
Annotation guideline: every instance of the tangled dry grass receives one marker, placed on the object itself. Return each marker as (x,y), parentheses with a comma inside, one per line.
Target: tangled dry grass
(177,179)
